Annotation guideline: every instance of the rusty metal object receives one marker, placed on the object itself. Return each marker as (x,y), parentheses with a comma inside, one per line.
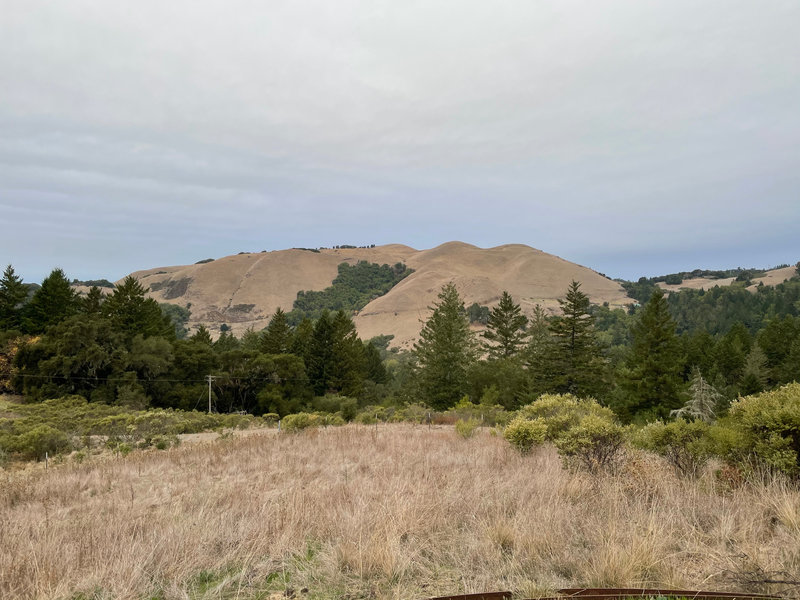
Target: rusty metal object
(483,596)
(634,592)
(618,594)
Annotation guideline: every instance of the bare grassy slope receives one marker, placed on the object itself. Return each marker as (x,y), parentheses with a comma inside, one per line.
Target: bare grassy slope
(399,512)
(773,277)
(245,289)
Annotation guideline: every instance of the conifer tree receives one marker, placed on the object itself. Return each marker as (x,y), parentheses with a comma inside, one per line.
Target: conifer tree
(202,336)
(336,355)
(445,350)
(579,361)
(133,313)
(754,377)
(90,304)
(348,369)
(277,337)
(12,294)
(374,369)
(505,329)
(301,340)
(320,353)
(540,354)
(703,400)
(226,342)
(652,380)
(51,303)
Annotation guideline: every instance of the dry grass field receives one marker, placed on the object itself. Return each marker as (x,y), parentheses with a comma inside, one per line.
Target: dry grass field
(393,512)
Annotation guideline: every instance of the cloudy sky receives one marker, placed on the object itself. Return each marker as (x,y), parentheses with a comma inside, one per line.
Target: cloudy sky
(635,137)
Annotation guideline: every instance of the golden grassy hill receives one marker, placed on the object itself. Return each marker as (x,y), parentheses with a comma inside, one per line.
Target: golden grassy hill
(772,277)
(245,289)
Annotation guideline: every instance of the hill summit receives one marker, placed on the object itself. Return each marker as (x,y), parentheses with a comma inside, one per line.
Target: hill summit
(244,290)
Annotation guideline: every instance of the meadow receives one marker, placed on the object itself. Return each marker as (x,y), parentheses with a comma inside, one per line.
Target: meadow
(387,511)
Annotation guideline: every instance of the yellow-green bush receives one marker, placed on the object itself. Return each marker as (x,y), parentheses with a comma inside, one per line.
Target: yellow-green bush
(486,414)
(300,421)
(37,441)
(595,443)
(524,434)
(687,446)
(561,412)
(585,433)
(765,426)
(58,424)
(466,429)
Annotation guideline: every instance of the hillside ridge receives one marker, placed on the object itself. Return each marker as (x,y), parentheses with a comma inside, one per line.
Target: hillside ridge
(243,290)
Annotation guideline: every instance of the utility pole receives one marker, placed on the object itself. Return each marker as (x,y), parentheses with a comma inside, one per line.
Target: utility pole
(209,378)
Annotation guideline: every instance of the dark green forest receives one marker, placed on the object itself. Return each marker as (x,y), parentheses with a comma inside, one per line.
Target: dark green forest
(122,348)
(353,288)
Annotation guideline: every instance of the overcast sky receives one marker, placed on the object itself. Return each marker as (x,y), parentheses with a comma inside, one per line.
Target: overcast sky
(637,137)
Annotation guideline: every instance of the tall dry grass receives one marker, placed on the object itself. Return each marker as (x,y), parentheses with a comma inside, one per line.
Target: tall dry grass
(398,512)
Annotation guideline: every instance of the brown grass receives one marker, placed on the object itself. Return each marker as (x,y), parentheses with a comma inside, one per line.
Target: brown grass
(395,512)
(272,279)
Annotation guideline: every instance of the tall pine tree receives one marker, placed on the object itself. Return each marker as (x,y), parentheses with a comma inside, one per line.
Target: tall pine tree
(277,337)
(505,329)
(51,304)
(579,361)
(133,313)
(12,295)
(445,351)
(652,382)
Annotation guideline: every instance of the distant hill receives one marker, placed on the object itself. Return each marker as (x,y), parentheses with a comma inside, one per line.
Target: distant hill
(769,277)
(244,290)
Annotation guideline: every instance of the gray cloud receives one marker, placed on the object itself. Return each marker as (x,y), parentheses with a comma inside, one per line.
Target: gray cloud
(636,138)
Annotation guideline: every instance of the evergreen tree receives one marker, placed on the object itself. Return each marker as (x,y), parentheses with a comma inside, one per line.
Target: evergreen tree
(250,341)
(579,361)
(51,304)
(226,342)
(80,355)
(754,374)
(539,356)
(731,352)
(277,337)
(132,313)
(702,403)
(505,329)
(12,295)
(301,340)
(445,351)
(336,355)
(320,354)
(90,304)
(348,356)
(374,369)
(652,381)
(202,336)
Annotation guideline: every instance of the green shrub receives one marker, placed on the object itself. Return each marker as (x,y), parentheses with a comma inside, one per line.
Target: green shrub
(35,442)
(595,443)
(300,421)
(561,412)
(466,429)
(524,434)
(271,419)
(336,420)
(765,426)
(687,446)
(412,413)
(465,410)
(334,403)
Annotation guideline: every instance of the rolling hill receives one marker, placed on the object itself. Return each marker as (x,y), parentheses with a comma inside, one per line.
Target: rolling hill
(244,290)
